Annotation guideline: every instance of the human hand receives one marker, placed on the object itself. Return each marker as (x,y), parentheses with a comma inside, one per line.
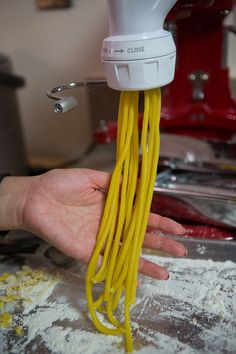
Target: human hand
(64,207)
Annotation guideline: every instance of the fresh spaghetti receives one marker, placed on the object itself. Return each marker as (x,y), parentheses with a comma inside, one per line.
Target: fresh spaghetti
(125,215)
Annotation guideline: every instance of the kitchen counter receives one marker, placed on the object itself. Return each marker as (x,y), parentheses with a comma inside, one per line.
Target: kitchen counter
(193,312)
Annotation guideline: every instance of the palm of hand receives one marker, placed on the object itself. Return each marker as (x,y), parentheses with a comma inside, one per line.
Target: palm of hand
(66,210)
(64,207)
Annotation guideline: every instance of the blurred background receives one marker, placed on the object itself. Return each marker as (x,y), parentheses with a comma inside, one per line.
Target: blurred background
(54,46)
(47,48)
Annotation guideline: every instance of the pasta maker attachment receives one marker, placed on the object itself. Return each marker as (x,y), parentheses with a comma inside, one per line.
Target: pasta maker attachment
(139,54)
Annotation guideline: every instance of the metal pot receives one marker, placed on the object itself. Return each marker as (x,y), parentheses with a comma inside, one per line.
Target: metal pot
(12,151)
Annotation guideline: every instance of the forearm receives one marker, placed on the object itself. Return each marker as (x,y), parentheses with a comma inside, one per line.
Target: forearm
(14,192)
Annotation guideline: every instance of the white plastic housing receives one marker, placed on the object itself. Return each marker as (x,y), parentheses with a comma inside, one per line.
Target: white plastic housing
(139,54)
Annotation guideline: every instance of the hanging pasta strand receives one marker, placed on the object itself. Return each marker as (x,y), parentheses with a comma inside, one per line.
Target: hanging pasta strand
(125,215)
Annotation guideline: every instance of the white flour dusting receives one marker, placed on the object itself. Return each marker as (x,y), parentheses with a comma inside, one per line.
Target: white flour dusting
(191,313)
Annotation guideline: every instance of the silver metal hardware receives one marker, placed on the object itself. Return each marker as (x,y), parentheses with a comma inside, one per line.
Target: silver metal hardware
(227,30)
(198,79)
(231,29)
(210,195)
(66,104)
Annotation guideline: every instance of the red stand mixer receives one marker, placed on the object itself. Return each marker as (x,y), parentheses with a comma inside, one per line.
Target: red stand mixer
(198,102)
(197,105)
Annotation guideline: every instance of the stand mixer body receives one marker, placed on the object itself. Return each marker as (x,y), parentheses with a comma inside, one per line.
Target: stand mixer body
(198,102)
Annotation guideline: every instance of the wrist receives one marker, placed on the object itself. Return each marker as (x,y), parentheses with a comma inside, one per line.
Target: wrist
(14,192)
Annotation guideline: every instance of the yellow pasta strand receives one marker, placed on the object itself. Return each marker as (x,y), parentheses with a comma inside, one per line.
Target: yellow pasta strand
(125,215)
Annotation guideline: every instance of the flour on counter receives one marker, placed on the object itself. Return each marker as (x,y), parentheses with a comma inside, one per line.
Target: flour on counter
(193,312)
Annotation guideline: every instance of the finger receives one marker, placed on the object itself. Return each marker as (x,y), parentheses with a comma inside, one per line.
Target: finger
(165,224)
(101,180)
(152,270)
(156,242)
